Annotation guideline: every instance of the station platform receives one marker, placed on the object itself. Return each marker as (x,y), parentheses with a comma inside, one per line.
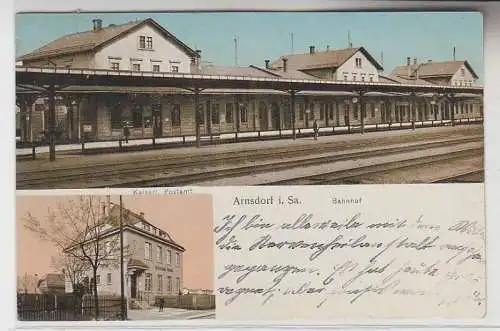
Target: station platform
(94,147)
(69,160)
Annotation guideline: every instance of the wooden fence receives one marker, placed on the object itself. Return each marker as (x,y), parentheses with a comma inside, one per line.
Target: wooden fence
(188,301)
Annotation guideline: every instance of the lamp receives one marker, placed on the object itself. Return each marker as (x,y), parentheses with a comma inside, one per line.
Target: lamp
(355,100)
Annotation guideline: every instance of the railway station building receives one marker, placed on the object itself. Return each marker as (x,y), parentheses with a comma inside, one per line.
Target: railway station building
(102,112)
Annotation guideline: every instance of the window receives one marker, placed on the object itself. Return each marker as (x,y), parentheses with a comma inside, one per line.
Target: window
(137,117)
(136,67)
(358,62)
(147,251)
(229,113)
(98,279)
(156,67)
(159,254)
(147,283)
(353,77)
(330,115)
(311,111)
(108,279)
(461,108)
(175,68)
(177,284)
(243,113)
(142,42)
(356,106)
(149,42)
(371,79)
(322,110)
(462,72)
(176,115)
(116,118)
(107,244)
(147,119)
(345,78)
(372,108)
(115,66)
(301,112)
(160,283)
(169,284)
(346,111)
(177,259)
(169,256)
(215,113)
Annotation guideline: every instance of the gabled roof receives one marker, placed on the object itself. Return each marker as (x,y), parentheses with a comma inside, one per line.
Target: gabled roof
(90,41)
(319,60)
(433,69)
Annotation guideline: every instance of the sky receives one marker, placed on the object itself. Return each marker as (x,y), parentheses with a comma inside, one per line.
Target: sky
(188,226)
(267,35)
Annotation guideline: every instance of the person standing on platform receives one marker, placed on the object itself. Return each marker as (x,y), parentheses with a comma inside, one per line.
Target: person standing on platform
(316,129)
(162,303)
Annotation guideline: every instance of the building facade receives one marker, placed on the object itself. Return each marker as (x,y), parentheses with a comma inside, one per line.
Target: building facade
(152,260)
(102,113)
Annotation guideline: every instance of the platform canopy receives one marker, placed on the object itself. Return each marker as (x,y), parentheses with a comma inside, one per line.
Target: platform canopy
(62,77)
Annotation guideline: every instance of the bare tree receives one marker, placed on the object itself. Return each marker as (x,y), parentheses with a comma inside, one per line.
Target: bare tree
(26,283)
(84,230)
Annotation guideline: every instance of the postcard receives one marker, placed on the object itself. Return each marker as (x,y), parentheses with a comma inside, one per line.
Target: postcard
(250,166)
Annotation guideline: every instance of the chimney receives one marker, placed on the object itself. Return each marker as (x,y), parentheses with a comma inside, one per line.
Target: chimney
(141,214)
(97,24)
(311,49)
(284,63)
(327,48)
(267,64)
(408,61)
(415,61)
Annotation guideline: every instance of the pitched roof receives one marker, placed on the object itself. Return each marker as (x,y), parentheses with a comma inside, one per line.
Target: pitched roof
(130,218)
(402,80)
(93,40)
(290,74)
(53,280)
(318,60)
(433,69)
(232,71)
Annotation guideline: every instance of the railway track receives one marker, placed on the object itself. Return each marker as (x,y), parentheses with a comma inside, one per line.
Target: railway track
(472,176)
(165,170)
(191,177)
(353,175)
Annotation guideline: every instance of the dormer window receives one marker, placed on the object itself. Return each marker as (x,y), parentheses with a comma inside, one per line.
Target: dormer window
(358,62)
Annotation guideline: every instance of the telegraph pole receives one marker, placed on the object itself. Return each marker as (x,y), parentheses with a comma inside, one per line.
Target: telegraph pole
(122,288)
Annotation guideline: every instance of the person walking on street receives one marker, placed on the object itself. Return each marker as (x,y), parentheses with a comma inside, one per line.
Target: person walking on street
(315,128)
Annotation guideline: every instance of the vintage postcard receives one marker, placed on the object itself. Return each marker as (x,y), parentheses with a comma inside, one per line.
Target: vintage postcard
(259,166)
